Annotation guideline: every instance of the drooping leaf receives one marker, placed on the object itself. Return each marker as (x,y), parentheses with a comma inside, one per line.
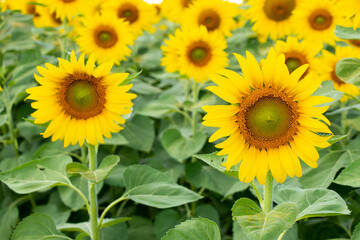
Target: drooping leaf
(311,202)
(196,228)
(150,187)
(350,176)
(37,226)
(180,147)
(268,226)
(37,174)
(216,162)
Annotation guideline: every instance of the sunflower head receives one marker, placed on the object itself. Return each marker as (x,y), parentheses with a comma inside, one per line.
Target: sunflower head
(80,102)
(195,53)
(272,120)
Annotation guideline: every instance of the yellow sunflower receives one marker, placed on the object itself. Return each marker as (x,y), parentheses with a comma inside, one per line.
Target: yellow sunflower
(174,9)
(25,6)
(326,68)
(271,17)
(298,53)
(272,121)
(106,37)
(94,7)
(350,9)
(80,102)
(195,52)
(315,20)
(139,14)
(44,18)
(215,15)
(66,8)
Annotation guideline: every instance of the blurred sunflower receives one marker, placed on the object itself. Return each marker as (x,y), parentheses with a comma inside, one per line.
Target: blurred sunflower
(106,37)
(174,9)
(350,9)
(139,14)
(45,18)
(315,20)
(298,53)
(195,52)
(94,7)
(66,8)
(215,15)
(326,68)
(272,121)
(80,102)
(3,5)
(271,17)
(25,6)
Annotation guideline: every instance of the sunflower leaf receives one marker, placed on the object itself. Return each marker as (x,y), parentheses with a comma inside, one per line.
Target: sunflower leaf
(336,138)
(348,70)
(311,202)
(150,187)
(196,228)
(216,162)
(131,77)
(347,32)
(350,176)
(261,225)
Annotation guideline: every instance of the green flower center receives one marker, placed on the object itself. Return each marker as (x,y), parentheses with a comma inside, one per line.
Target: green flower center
(82,96)
(105,36)
(320,19)
(127,14)
(269,118)
(198,54)
(292,64)
(210,19)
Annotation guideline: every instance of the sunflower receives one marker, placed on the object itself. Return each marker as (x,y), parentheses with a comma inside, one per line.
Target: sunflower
(80,102)
(315,20)
(106,37)
(272,121)
(350,9)
(215,15)
(94,7)
(271,17)
(139,14)
(326,68)
(44,18)
(174,9)
(195,52)
(25,6)
(66,8)
(298,53)
(3,5)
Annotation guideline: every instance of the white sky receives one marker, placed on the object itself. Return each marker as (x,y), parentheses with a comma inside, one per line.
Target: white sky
(159,1)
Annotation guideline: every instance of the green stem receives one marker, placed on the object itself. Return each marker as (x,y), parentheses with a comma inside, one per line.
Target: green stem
(268,192)
(195,99)
(107,209)
(80,194)
(10,122)
(92,195)
(257,194)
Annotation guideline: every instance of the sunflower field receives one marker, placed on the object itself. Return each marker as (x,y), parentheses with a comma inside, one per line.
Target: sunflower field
(182,120)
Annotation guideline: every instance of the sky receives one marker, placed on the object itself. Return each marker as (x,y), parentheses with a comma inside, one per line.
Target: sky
(159,1)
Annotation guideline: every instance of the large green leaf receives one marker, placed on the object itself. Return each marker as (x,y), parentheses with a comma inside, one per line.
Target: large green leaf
(99,174)
(347,32)
(350,176)
(197,228)
(356,233)
(150,187)
(37,226)
(311,202)
(328,165)
(210,178)
(348,70)
(268,226)
(180,147)
(139,132)
(37,174)
(245,206)
(8,220)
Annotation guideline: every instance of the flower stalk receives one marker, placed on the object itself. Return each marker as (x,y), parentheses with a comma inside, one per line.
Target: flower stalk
(93,195)
(268,190)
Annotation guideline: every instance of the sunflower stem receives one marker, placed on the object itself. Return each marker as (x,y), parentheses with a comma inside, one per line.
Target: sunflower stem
(10,122)
(268,192)
(92,194)
(257,194)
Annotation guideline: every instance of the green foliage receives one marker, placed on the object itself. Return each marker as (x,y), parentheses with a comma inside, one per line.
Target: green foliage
(347,32)
(348,70)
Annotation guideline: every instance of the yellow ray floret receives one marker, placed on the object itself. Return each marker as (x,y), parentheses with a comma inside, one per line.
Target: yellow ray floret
(272,121)
(80,102)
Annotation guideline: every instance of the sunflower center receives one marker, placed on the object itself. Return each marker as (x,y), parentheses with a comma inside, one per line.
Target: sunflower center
(56,19)
(293,60)
(129,12)
(268,118)
(105,37)
(68,1)
(279,10)
(199,53)
(210,19)
(355,42)
(82,96)
(320,19)
(186,3)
